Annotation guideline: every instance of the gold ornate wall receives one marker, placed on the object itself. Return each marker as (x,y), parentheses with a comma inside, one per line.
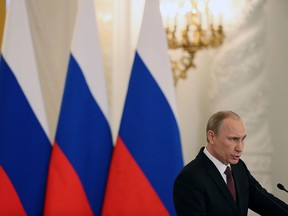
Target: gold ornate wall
(2,18)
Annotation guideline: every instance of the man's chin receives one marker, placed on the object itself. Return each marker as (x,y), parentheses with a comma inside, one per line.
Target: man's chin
(234,161)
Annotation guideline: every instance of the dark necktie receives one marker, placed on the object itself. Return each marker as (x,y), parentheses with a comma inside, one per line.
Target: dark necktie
(230,182)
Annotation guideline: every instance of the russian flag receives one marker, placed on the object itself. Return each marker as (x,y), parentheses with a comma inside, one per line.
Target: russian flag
(147,155)
(82,150)
(24,144)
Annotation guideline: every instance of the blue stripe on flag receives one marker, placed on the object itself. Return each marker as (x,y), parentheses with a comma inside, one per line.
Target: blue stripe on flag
(24,146)
(84,135)
(150,131)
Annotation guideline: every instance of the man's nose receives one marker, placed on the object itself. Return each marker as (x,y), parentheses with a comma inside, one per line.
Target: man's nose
(240,145)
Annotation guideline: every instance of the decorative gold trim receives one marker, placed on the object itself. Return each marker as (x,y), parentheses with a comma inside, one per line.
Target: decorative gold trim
(2,19)
(190,26)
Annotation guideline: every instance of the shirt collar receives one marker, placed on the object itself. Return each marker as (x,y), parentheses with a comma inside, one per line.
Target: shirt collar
(219,165)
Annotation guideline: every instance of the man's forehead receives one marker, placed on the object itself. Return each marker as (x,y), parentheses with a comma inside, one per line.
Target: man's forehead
(233,124)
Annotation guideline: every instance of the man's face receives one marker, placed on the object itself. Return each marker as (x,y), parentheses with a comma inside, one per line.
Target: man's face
(227,145)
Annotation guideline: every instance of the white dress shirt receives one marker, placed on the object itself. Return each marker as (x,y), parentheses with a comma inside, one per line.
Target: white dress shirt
(219,165)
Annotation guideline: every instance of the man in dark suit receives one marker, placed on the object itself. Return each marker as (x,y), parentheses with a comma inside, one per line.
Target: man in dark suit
(204,187)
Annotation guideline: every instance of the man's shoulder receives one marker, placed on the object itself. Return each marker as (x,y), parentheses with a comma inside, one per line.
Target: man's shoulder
(193,169)
(240,169)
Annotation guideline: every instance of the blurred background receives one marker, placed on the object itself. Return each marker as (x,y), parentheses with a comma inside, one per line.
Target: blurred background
(246,71)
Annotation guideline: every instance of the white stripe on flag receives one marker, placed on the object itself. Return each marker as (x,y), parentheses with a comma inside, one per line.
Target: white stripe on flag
(153,51)
(17,49)
(88,54)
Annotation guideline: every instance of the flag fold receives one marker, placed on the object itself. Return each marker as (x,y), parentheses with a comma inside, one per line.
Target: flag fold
(24,144)
(147,154)
(83,145)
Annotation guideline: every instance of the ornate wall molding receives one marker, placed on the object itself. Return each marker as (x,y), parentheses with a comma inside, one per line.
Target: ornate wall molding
(238,82)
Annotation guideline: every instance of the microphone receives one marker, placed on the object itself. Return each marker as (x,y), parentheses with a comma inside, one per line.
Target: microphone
(281,187)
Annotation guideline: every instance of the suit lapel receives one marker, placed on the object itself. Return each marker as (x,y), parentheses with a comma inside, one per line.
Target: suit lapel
(218,180)
(237,175)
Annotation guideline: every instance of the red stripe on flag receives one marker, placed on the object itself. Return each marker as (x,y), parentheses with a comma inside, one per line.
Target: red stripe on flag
(128,190)
(65,194)
(10,203)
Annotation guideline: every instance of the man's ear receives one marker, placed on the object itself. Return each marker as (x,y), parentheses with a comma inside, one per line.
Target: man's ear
(211,136)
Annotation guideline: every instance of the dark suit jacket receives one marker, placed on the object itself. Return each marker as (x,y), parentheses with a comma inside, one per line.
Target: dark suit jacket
(200,190)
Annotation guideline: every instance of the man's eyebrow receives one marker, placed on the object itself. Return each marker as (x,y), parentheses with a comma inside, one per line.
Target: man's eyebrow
(238,137)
